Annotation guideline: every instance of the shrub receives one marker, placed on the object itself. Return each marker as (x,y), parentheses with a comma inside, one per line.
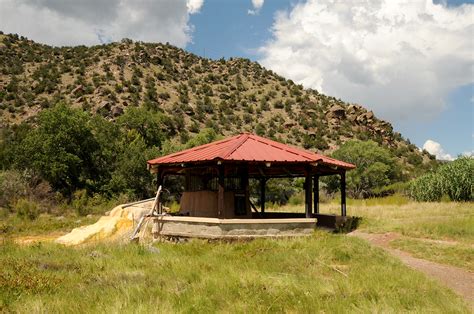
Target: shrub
(454,179)
(426,188)
(376,167)
(12,186)
(296,199)
(26,209)
(80,202)
(61,149)
(457,179)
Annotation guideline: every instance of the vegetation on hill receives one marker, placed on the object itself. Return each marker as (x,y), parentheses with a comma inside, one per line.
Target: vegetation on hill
(87,118)
(188,91)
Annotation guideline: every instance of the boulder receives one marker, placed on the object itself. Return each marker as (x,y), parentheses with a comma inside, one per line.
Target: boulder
(117,111)
(336,111)
(104,109)
(351,109)
(365,117)
(78,88)
(289,124)
(352,117)
(189,111)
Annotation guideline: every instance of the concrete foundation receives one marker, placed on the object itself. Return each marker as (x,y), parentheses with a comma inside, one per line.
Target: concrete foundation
(214,228)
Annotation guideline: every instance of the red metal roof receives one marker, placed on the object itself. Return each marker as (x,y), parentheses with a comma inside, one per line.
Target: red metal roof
(247,147)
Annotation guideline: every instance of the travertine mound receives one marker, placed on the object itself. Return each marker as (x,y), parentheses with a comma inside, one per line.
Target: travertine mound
(115,224)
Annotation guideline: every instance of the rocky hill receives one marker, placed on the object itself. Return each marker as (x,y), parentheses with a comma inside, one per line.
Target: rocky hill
(227,95)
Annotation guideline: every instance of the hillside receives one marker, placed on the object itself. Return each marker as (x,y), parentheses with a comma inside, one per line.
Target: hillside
(227,95)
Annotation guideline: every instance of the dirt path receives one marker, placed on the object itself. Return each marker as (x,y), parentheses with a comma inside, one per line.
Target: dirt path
(459,280)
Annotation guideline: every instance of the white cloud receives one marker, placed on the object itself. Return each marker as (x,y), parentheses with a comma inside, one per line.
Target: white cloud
(257,5)
(90,22)
(400,58)
(435,148)
(194,6)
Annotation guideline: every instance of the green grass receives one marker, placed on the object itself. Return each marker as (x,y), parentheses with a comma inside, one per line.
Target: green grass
(13,226)
(443,221)
(395,199)
(434,221)
(459,255)
(323,273)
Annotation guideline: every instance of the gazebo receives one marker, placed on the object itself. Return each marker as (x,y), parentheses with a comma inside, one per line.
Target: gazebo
(216,185)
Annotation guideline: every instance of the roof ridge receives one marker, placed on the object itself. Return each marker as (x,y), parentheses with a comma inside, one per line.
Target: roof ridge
(281,146)
(196,148)
(241,141)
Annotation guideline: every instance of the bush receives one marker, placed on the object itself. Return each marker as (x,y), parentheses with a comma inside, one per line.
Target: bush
(376,167)
(296,199)
(12,186)
(426,188)
(80,202)
(454,179)
(26,209)
(62,149)
(457,179)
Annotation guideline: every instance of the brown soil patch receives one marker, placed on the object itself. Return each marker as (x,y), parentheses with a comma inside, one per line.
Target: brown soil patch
(27,240)
(459,280)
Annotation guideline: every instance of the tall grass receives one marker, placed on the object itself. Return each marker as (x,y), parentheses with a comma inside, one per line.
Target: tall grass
(323,273)
(459,255)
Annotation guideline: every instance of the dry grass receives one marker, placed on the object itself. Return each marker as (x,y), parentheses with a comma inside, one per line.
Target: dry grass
(443,221)
(416,223)
(324,273)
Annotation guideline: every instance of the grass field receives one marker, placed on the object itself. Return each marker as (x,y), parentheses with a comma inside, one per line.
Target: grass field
(327,273)
(323,273)
(450,225)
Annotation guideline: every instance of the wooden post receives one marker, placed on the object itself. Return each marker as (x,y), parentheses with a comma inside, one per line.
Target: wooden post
(316,194)
(343,193)
(245,179)
(308,195)
(220,192)
(159,179)
(262,195)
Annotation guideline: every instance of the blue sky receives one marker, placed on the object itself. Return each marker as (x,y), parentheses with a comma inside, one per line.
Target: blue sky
(229,31)
(411,62)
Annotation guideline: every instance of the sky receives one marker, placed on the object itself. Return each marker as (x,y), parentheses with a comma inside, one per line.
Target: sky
(410,61)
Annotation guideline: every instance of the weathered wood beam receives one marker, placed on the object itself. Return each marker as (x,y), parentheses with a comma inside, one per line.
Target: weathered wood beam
(245,181)
(308,194)
(262,194)
(343,193)
(316,194)
(220,192)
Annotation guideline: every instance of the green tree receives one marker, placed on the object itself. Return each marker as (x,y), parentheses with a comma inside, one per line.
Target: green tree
(375,168)
(130,174)
(109,136)
(10,138)
(61,149)
(147,123)
(205,136)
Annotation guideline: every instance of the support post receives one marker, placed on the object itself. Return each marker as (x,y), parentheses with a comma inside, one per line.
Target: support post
(159,178)
(245,179)
(343,194)
(308,195)
(220,192)
(316,194)
(262,195)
